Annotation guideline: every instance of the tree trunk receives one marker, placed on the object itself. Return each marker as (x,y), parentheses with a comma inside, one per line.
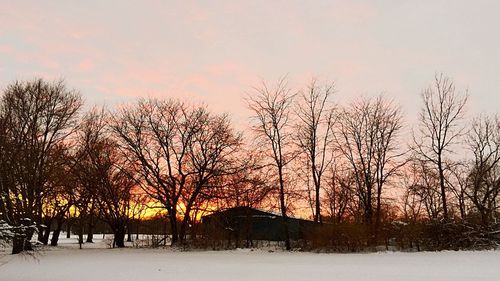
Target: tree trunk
(90,236)
(80,234)
(184,225)
(90,233)
(283,209)
(90,229)
(462,209)
(370,226)
(40,234)
(378,213)
(173,226)
(20,244)
(317,217)
(443,188)
(484,216)
(68,229)
(46,235)
(129,234)
(21,241)
(317,185)
(56,233)
(119,236)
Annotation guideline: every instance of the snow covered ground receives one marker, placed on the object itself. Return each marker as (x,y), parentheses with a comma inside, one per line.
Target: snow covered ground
(67,263)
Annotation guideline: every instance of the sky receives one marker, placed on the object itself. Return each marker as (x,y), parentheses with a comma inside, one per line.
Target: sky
(215,52)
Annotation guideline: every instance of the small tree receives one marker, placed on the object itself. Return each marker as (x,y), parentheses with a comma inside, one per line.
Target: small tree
(104,174)
(423,188)
(314,135)
(367,136)
(439,129)
(58,198)
(484,179)
(339,194)
(272,124)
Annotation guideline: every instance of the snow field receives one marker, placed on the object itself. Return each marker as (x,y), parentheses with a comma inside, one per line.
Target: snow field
(68,263)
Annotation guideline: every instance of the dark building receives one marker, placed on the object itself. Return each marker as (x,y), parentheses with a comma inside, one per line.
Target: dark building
(248,224)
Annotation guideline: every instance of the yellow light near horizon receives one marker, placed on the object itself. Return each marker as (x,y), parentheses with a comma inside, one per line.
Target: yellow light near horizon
(155,209)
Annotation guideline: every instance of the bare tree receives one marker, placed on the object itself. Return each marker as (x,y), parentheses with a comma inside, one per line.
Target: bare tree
(422,187)
(138,208)
(439,129)
(103,172)
(411,205)
(58,196)
(458,183)
(155,137)
(314,135)
(8,218)
(211,157)
(367,137)
(37,116)
(83,200)
(484,179)
(272,124)
(179,151)
(339,194)
(248,187)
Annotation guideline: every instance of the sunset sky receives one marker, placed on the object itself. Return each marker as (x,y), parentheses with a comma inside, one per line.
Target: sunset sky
(215,51)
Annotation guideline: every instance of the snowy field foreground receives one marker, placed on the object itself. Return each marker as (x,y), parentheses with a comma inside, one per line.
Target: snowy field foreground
(66,263)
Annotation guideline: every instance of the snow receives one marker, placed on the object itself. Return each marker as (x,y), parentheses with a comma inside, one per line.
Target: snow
(94,262)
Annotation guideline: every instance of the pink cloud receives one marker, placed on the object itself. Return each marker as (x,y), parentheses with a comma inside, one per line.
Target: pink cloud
(86,65)
(4,49)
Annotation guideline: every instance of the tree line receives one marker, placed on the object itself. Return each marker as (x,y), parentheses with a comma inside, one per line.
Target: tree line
(345,166)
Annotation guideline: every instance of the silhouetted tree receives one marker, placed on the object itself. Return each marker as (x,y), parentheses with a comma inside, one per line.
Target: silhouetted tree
(339,196)
(36,116)
(105,174)
(178,152)
(484,179)
(442,111)
(272,124)
(423,187)
(314,135)
(367,136)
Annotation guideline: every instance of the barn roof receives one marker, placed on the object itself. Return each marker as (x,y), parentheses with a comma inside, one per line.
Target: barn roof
(243,211)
